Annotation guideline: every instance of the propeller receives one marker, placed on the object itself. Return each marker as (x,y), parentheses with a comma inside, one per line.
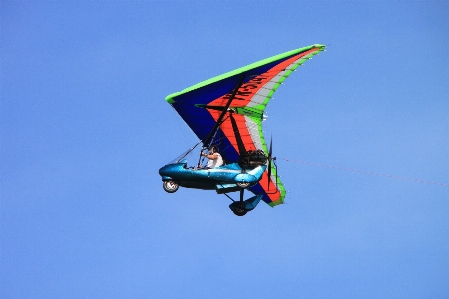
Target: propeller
(271,158)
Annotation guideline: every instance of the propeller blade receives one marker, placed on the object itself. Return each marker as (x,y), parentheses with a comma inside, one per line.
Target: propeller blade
(241,194)
(270,151)
(269,173)
(276,167)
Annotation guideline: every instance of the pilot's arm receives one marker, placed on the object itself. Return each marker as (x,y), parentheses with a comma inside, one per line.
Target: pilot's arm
(210,157)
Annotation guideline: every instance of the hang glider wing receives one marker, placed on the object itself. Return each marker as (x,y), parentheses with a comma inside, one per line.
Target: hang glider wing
(202,104)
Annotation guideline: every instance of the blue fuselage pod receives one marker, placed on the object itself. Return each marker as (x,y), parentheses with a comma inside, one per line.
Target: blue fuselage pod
(251,176)
(201,178)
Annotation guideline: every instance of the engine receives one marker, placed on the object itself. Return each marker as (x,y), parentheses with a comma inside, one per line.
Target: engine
(252,158)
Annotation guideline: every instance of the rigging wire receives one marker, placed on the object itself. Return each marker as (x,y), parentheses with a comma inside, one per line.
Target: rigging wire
(179,124)
(368,172)
(229,197)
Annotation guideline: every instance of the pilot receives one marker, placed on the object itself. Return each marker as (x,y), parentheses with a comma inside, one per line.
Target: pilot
(214,157)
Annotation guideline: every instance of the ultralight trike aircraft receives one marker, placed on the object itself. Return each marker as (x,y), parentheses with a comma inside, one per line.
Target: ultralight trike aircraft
(226,112)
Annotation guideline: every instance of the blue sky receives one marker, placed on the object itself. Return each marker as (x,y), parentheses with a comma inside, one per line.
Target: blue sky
(85,128)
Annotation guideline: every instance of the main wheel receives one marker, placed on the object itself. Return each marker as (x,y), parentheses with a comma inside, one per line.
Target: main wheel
(242,184)
(240,212)
(170,186)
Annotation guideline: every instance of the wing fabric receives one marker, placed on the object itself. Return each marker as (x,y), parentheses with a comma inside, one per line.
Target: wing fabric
(201,105)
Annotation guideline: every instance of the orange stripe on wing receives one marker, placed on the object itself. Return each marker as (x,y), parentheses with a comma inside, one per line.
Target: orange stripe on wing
(273,193)
(246,92)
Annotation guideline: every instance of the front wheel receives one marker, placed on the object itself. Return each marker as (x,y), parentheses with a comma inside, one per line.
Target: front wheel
(170,186)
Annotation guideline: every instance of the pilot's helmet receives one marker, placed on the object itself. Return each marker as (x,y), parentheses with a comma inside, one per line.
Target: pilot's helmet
(214,149)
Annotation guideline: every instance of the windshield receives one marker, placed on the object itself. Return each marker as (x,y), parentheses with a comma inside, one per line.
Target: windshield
(184,157)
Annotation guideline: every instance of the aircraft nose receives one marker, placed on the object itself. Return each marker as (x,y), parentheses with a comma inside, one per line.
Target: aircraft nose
(165,171)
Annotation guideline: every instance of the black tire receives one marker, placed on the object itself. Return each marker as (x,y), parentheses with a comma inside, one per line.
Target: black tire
(240,212)
(242,185)
(170,186)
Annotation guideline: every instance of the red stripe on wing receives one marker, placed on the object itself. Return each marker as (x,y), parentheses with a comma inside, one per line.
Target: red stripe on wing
(250,88)
(273,193)
(228,130)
